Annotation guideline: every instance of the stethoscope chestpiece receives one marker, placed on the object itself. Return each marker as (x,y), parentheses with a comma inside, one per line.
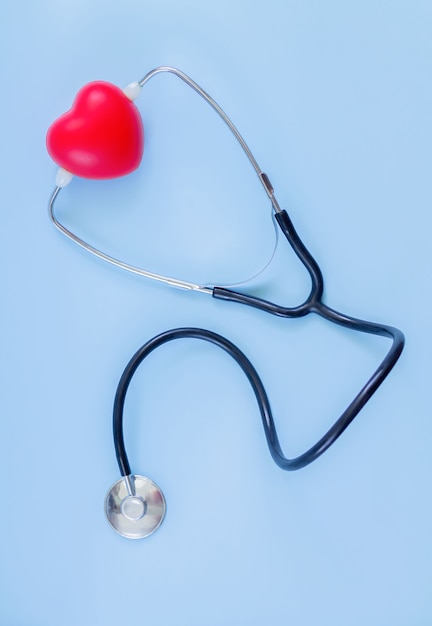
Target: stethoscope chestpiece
(135,506)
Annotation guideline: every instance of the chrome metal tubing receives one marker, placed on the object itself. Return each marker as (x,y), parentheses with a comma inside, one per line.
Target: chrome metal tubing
(173,282)
(264,179)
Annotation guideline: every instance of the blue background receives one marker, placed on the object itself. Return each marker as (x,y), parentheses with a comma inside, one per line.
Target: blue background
(334,99)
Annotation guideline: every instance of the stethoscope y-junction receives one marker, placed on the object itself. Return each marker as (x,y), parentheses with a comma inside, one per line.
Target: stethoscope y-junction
(102,137)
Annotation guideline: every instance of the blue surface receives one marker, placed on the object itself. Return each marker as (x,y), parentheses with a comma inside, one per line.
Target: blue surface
(334,99)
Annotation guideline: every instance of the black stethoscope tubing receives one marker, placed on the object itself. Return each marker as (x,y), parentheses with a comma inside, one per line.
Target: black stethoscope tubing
(313,304)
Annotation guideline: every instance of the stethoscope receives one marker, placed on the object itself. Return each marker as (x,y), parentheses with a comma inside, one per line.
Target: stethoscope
(102,137)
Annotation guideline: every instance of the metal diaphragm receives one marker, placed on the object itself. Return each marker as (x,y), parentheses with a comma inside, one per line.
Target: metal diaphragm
(135,507)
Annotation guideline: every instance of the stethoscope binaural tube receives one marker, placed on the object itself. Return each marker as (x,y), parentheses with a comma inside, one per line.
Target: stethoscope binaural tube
(64,177)
(313,303)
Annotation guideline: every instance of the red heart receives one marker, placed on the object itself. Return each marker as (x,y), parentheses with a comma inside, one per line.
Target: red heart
(102,136)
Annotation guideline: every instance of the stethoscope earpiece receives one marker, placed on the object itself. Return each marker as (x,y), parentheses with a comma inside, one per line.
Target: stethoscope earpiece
(135,506)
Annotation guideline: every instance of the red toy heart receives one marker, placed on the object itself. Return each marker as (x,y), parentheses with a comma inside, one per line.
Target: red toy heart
(102,136)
